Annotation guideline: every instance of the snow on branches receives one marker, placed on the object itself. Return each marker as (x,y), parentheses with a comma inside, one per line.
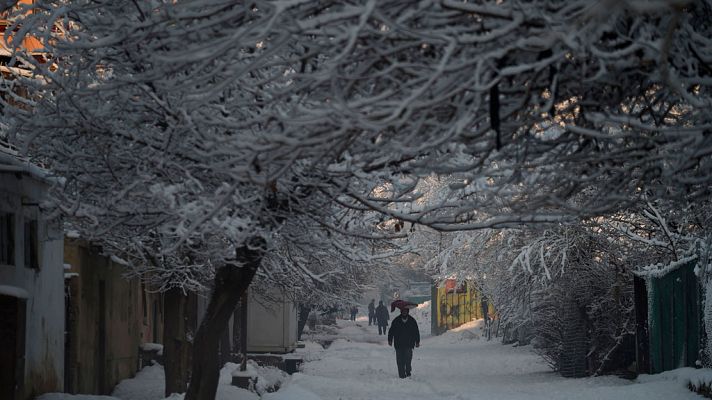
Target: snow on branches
(542,99)
(190,131)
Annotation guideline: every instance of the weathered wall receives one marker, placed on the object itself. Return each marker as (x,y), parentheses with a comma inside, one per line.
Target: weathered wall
(44,333)
(107,323)
(271,326)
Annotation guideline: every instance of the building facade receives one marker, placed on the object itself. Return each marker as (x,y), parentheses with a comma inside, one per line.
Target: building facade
(31,283)
(108,319)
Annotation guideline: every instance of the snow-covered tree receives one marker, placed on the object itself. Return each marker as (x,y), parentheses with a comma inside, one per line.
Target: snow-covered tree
(216,123)
(157,169)
(545,279)
(323,267)
(560,97)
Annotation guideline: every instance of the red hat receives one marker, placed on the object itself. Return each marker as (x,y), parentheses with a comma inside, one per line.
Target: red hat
(402,304)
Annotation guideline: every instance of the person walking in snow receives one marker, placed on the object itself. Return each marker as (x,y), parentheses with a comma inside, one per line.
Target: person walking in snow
(371,312)
(311,320)
(354,311)
(382,317)
(403,336)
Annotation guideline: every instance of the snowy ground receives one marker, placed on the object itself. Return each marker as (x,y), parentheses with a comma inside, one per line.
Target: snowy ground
(358,365)
(458,365)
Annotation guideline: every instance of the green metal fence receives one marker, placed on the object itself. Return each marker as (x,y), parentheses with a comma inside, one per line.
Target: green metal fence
(673,319)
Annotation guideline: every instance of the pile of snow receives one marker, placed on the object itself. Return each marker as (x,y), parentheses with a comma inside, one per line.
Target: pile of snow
(422,317)
(682,377)
(309,347)
(466,332)
(269,379)
(148,384)
(291,392)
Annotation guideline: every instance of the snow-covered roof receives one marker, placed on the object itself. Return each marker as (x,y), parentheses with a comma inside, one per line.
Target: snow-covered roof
(14,291)
(12,161)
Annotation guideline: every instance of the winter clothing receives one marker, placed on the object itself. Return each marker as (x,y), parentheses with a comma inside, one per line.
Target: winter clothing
(404,336)
(311,320)
(371,312)
(403,359)
(382,318)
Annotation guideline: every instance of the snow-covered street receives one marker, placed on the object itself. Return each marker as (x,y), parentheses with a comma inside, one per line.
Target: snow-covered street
(460,364)
(457,365)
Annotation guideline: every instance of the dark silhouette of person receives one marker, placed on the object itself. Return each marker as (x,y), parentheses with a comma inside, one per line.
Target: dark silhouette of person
(382,318)
(404,336)
(371,312)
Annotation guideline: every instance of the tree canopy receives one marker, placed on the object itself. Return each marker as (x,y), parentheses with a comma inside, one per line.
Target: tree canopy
(218,131)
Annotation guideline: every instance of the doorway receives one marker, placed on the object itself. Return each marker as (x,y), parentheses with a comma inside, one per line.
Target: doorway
(12,336)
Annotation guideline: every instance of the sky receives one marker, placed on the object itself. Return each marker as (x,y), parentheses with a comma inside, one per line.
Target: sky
(357,364)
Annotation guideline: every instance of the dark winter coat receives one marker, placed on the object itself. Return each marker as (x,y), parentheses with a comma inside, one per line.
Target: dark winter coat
(404,335)
(371,309)
(382,315)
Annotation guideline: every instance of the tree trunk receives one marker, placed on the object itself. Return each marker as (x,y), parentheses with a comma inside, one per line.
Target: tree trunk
(179,322)
(230,283)
(225,347)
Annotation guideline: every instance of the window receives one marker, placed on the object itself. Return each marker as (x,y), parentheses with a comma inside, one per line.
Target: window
(31,244)
(7,239)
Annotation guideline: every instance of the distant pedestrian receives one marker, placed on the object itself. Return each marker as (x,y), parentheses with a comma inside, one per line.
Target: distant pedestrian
(372,312)
(382,318)
(403,336)
(311,320)
(354,311)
